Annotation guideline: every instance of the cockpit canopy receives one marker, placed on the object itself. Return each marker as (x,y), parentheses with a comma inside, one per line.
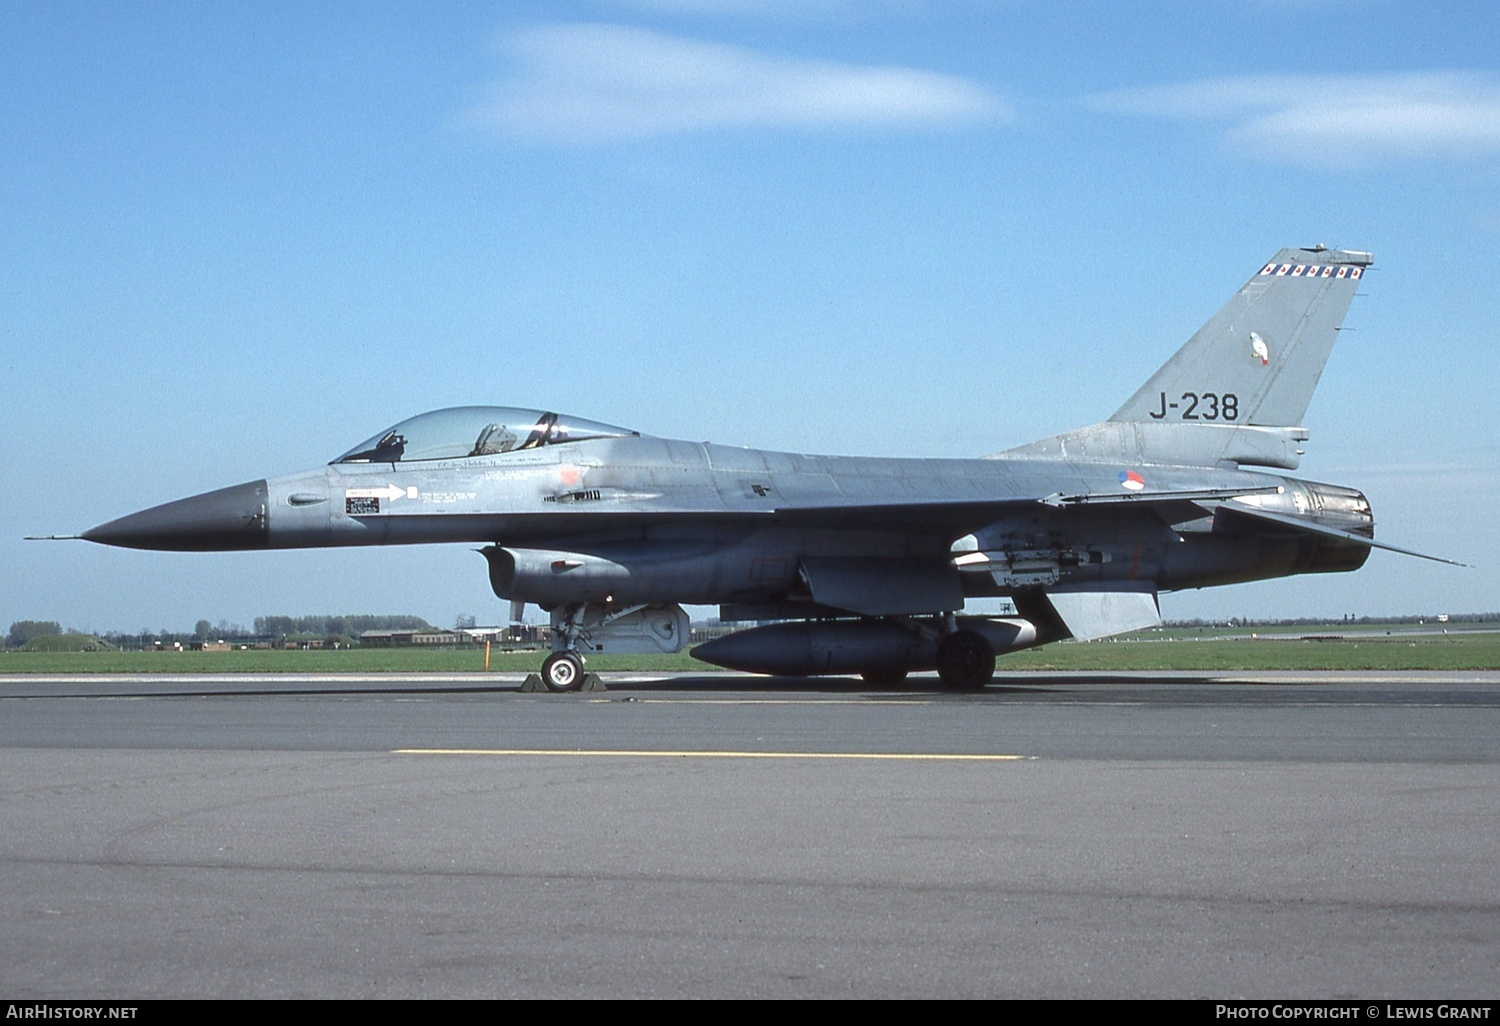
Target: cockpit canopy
(464,431)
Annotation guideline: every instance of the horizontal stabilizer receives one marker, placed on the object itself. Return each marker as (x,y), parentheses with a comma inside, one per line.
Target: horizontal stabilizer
(1308,527)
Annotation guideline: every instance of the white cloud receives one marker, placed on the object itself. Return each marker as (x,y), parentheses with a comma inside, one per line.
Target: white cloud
(596,83)
(761,8)
(1330,118)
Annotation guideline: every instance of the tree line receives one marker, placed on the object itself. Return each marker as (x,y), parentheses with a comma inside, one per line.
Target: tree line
(348,626)
(266,628)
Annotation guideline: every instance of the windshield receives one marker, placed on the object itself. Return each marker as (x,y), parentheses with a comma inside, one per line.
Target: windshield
(475,431)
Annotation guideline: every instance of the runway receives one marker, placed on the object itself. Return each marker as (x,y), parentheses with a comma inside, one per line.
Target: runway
(1243,835)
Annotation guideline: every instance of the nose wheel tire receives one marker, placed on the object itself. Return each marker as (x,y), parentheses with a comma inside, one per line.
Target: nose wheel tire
(966,660)
(563,671)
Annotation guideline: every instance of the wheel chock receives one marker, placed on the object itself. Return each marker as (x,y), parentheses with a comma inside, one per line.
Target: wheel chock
(533,684)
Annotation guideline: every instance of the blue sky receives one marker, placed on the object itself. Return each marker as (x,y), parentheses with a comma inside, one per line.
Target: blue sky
(235,240)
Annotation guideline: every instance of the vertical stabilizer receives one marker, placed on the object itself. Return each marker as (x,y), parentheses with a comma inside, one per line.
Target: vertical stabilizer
(1266,348)
(1236,393)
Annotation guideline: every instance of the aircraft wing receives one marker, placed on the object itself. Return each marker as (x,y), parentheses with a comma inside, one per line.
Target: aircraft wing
(966,515)
(920,516)
(1144,498)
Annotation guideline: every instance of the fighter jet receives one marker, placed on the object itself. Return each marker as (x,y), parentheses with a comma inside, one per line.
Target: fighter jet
(854,565)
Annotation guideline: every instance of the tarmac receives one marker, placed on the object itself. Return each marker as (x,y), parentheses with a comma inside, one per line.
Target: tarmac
(717,835)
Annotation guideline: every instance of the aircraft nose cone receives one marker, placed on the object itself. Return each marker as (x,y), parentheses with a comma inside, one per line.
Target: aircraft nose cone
(230,518)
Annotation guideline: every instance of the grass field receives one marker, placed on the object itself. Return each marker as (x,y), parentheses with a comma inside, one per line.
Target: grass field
(1370,650)
(1373,651)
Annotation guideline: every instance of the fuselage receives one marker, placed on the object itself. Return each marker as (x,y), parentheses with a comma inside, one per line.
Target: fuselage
(660,520)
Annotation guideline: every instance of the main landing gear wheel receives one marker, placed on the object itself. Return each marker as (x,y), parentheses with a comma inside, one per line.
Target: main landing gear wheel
(966,660)
(563,671)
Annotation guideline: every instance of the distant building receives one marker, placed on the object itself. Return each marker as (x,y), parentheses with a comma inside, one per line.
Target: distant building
(515,635)
(402,639)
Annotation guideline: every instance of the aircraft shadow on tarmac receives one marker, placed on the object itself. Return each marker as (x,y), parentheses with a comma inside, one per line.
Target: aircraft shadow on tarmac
(632,685)
(926,685)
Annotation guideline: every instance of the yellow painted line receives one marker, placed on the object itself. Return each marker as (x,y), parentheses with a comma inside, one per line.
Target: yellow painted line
(811,700)
(644,754)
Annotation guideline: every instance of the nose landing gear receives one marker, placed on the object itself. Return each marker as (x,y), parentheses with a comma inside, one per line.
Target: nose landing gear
(563,671)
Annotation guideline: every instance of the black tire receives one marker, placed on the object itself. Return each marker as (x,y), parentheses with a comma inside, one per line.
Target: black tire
(966,660)
(563,671)
(884,678)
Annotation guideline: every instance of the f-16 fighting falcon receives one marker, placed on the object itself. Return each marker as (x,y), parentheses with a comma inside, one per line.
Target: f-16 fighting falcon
(854,564)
